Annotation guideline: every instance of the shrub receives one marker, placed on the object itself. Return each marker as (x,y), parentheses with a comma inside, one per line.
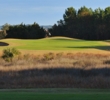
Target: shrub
(9,54)
(59,54)
(49,56)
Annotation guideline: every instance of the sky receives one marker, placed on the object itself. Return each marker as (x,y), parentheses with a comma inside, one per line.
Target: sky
(43,12)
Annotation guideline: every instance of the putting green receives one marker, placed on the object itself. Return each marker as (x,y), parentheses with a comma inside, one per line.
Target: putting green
(54,43)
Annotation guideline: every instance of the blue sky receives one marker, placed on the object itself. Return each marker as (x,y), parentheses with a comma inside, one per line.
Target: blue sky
(44,12)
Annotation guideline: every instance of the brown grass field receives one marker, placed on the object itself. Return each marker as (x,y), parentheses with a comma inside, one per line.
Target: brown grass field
(56,70)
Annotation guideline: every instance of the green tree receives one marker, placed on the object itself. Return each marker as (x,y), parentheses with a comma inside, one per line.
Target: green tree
(5,27)
(85,23)
(2,34)
(107,22)
(70,18)
(99,24)
(23,31)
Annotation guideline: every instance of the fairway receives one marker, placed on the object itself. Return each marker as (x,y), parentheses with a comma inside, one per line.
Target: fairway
(54,43)
(55,94)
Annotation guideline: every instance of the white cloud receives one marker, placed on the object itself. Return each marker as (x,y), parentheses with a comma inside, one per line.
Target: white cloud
(48,9)
(32,9)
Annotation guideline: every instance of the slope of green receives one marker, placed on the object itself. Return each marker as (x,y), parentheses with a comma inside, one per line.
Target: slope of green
(55,43)
(55,94)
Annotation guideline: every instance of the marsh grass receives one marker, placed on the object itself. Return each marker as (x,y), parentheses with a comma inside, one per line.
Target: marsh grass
(80,70)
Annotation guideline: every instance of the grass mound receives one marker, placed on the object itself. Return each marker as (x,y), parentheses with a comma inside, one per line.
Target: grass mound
(55,43)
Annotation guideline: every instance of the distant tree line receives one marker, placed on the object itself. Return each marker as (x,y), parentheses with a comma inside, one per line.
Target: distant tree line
(22,31)
(84,23)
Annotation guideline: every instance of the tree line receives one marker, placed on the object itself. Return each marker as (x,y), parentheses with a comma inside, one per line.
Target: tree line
(84,23)
(22,31)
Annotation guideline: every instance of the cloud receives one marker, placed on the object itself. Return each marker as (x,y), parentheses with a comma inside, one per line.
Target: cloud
(40,9)
(48,9)
(13,10)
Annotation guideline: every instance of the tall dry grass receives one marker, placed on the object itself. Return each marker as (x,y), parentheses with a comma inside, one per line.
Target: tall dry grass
(80,70)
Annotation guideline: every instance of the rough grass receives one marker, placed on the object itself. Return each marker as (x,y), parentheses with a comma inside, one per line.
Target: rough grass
(81,70)
(55,94)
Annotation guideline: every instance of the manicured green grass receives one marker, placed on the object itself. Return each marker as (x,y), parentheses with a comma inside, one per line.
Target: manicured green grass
(56,43)
(55,94)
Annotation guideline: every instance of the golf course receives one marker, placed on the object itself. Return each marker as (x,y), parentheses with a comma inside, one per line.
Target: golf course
(53,45)
(55,50)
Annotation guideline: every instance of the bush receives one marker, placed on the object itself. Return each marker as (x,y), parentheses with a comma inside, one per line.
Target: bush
(9,54)
(49,56)
(59,54)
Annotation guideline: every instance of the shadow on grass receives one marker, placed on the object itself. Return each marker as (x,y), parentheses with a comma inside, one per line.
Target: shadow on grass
(3,44)
(67,39)
(66,71)
(107,48)
(56,78)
